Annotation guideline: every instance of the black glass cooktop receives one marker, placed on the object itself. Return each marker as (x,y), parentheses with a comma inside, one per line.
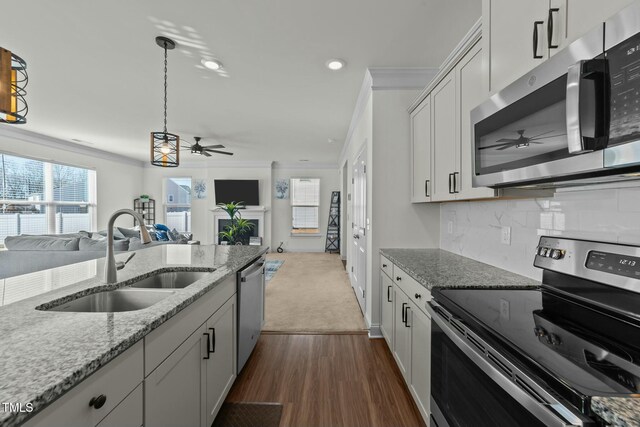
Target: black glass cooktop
(587,347)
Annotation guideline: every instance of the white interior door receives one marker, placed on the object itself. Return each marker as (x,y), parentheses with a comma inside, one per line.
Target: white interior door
(359,251)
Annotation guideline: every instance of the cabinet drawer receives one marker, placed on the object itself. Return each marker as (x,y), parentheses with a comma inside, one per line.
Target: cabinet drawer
(115,381)
(161,342)
(128,413)
(386,265)
(414,290)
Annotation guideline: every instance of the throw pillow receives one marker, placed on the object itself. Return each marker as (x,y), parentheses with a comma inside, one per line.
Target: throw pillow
(87,244)
(117,235)
(162,236)
(129,232)
(161,227)
(40,243)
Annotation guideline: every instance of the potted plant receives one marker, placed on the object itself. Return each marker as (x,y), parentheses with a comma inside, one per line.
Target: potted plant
(234,232)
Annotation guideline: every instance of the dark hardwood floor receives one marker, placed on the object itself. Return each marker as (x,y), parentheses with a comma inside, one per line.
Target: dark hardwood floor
(327,380)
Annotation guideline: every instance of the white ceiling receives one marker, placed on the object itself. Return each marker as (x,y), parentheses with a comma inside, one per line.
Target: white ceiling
(95,72)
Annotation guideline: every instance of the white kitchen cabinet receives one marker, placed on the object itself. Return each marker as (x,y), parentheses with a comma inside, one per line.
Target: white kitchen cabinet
(388,297)
(190,385)
(420,384)
(402,335)
(421,151)
(107,387)
(576,17)
(173,390)
(128,413)
(510,25)
(443,123)
(221,365)
(508,33)
(471,89)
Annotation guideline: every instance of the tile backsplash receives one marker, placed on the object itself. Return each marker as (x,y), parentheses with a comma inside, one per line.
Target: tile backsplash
(474,229)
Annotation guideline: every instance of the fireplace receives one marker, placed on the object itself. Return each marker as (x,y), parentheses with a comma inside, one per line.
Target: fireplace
(254,232)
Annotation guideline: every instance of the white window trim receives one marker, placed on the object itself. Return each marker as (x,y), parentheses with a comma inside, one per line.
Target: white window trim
(292,233)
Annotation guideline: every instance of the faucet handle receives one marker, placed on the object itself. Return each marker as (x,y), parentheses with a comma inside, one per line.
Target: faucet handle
(120,264)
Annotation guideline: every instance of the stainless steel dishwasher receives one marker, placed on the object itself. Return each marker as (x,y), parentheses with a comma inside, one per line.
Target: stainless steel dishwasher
(250,308)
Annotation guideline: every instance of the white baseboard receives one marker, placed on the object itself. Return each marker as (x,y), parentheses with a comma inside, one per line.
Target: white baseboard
(375,332)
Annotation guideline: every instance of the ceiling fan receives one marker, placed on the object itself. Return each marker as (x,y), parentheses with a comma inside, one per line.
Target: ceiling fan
(205,150)
(521,141)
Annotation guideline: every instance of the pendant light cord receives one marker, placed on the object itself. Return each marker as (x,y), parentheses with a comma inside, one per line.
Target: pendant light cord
(165,88)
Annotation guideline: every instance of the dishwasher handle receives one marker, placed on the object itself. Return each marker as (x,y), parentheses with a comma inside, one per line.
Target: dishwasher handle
(253,270)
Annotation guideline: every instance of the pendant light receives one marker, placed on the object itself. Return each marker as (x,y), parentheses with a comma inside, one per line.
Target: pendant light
(13,81)
(165,146)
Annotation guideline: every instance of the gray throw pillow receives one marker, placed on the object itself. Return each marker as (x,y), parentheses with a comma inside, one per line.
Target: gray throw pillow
(87,244)
(40,243)
(129,232)
(117,235)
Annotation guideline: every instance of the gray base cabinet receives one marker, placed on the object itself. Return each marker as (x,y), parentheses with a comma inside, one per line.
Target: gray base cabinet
(406,327)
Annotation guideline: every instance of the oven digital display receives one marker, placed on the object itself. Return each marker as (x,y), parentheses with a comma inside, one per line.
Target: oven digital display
(621,265)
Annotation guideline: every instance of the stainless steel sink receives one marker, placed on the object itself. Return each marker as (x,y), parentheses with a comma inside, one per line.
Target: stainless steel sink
(170,280)
(114,301)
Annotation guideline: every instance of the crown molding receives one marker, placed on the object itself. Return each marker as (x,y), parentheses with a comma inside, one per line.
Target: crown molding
(208,164)
(24,135)
(468,41)
(305,165)
(401,78)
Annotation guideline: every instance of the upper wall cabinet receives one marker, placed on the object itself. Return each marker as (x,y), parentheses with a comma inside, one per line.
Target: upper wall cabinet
(520,34)
(441,127)
(421,152)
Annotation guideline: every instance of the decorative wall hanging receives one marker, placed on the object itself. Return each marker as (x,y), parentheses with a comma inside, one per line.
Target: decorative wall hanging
(200,188)
(165,146)
(13,81)
(282,188)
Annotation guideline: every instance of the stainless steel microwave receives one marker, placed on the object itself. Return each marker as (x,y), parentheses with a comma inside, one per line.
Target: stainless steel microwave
(573,119)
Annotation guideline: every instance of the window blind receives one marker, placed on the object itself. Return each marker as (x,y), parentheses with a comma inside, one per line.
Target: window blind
(305,202)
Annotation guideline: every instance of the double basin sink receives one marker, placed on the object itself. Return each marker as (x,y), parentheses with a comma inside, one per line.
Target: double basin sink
(140,294)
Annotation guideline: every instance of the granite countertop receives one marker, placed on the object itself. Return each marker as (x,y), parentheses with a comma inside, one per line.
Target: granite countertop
(438,268)
(45,353)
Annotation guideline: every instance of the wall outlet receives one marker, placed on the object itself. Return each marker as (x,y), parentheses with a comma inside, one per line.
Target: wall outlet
(505,235)
(450,227)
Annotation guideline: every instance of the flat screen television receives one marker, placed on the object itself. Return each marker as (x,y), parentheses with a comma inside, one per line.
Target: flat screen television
(237,190)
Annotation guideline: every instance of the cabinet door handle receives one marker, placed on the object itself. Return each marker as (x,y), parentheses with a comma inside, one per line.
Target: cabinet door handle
(384,265)
(455,183)
(389,294)
(406,317)
(550,28)
(404,313)
(418,296)
(535,39)
(450,183)
(208,345)
(98,402)
(213,339)
(398,278)
(426,188)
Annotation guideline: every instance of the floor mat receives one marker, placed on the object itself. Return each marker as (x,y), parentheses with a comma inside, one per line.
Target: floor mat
(270,268)
(249,415)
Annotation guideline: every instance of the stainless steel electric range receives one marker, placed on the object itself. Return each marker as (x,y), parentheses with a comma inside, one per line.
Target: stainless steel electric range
(522,357)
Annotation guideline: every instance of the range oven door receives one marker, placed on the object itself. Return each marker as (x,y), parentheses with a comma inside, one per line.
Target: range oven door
(472,385)
(547,124)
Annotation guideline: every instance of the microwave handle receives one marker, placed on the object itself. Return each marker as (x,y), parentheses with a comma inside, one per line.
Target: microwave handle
(574,134)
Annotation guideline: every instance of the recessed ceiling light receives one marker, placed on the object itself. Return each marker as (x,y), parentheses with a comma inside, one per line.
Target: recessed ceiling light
(335,64)
(212,64)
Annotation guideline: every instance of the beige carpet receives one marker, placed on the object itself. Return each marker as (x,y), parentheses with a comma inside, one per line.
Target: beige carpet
(310,293)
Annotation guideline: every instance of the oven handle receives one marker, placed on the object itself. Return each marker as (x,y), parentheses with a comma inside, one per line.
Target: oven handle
(537,401)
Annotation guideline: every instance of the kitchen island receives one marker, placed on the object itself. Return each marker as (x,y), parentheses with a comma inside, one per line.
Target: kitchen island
(47,353)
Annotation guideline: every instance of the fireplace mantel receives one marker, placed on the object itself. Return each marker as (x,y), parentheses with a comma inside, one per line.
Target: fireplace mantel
(251,212)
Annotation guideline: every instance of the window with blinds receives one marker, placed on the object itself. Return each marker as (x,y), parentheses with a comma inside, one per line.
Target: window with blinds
(39,197)
(305,203)
(178,204)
